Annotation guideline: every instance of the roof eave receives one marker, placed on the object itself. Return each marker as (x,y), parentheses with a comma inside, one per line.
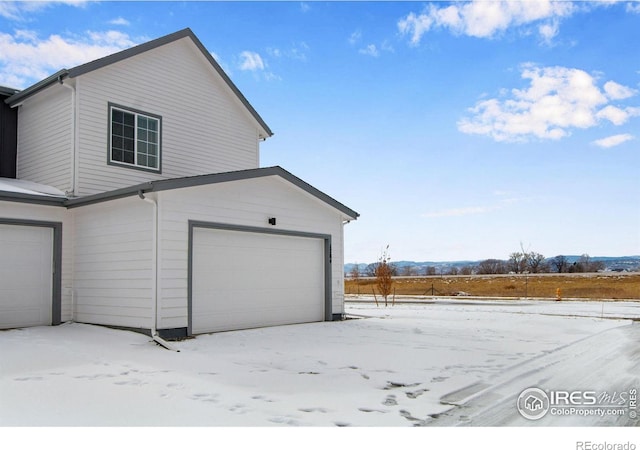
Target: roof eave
(6,91)
(20,197)
(231,84)
(201,180)
(22,95)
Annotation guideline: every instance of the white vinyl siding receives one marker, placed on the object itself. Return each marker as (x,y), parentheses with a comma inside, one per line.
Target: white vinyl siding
(113,263)
(45,138)
(206,129)
(247,203)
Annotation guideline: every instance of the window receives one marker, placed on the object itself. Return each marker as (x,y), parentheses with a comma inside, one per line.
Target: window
(134,139)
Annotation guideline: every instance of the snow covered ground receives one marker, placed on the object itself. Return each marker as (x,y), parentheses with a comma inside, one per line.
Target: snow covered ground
(437,364)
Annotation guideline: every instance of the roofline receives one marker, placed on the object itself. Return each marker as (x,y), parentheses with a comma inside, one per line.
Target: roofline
(6,90)
(40,85)
(201,180)
(37,199)
(133,51)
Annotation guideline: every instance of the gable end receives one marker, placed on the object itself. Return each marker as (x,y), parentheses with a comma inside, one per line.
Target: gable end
(133,51)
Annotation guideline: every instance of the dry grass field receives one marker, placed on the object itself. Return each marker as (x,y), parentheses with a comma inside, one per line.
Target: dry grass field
(600,286)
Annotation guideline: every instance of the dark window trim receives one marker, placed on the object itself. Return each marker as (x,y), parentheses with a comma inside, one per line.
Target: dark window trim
(110,162)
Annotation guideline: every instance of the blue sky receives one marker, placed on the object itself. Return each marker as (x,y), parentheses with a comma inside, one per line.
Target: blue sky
(457,130)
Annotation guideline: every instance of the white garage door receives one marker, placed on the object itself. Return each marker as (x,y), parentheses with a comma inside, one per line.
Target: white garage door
(26,275)
(248,280)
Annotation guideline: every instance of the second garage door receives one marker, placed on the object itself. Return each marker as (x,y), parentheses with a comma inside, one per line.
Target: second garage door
(243,279)
(26,281)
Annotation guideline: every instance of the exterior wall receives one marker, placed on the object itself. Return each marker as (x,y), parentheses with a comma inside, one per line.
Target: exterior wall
(45,138)
(205,128)
(31,212)
(247,203)
(8,139)
(113,257)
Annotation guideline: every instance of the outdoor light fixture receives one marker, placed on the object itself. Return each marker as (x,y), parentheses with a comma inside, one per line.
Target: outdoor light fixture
(272,220)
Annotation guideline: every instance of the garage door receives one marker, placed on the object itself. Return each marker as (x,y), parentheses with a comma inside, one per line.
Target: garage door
(26,275)
(249,279)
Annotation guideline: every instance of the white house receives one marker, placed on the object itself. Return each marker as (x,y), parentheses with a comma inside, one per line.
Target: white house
(131,195)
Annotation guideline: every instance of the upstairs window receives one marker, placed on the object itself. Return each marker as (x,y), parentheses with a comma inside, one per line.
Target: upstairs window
(134,138)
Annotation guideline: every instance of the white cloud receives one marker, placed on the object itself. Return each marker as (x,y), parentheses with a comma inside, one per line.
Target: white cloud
(633,8)
(25,58)
(617,116)
(612,141)
(556,100)
(251,61)
(617,91)
(548,31)
(370,50)
(275,52)
(485,19)
(355,37)
(298,51)
(19,10)
(415,25)
(120,21)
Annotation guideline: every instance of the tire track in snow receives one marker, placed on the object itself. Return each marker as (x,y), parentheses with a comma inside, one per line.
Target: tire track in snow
(607,361)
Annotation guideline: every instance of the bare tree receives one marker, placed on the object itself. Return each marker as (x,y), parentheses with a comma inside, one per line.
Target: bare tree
(370,271)
(560,263)
(517,262)
(466,270)
(597,266)
(355,276)
(430,271)
(408,271)
(535,262)
(384,273)
(355,272)
(586,264)
(491,266)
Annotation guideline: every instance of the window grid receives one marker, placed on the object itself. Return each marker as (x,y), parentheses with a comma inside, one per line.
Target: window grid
(134,139)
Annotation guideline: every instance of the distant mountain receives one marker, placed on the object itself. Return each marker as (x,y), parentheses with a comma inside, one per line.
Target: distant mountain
(611,263)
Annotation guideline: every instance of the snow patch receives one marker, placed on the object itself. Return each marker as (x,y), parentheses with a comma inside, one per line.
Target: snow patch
(29,187)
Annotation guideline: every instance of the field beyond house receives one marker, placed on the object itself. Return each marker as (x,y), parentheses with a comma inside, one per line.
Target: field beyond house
(595,286)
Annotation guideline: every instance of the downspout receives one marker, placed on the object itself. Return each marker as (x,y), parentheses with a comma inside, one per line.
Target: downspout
(74,138)
(154,274)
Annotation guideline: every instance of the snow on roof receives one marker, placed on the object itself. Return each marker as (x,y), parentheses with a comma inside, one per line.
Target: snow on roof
(29,187)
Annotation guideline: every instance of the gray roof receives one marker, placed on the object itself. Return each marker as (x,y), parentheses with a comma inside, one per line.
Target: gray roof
(7,91)
(177,183)
(116,57)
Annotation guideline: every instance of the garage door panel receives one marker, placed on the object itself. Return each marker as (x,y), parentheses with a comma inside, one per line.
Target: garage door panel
(26,275)
(246,280)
